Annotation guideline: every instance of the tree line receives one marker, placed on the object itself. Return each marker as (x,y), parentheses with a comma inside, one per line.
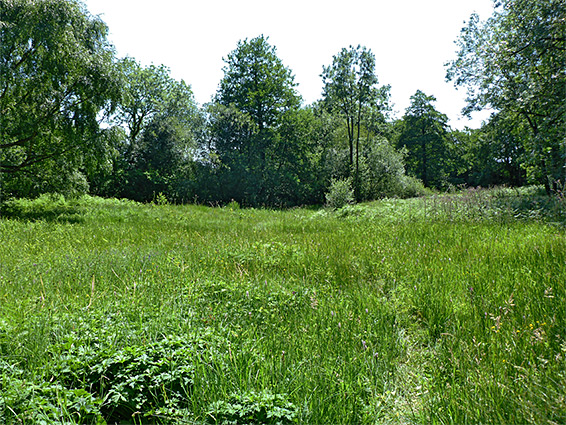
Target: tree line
(75,119)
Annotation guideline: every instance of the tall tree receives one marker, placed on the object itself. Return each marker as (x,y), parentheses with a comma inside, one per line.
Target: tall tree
(350,89)
(56,75)
(423,133)
(257,83)
(501,151)
(226,152)
(148,92)
(514,63)
(258,90)
(159,114)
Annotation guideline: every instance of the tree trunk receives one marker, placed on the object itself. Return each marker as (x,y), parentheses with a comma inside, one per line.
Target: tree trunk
(357,177)
(351,143)
(424,158)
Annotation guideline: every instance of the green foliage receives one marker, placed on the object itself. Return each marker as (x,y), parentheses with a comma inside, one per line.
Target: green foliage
(423,134)
(233,205)
(161,199)
(56,76)
(257,83)
(446,308)
(340,194)
(253,408)
(259,146)
(412,187)
(513,63)
(150,93)
(492,155)
(133,380)
(383,171)
(46,207)
(55,175)
(46,403)
(161,118)
(350,90)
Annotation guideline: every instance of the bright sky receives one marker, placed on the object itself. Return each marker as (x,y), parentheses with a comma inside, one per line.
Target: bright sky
(411,39)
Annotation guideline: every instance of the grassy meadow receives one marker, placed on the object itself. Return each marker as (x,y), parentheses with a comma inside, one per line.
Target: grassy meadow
(446,309)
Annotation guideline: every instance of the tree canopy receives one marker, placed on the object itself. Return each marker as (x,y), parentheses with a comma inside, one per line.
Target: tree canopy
(423,133)
(252,108)
(56,75)
(257,83)
(74,118)
(514,63)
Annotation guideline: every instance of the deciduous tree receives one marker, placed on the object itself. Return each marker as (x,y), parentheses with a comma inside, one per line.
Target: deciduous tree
(56,76)
(515,63)
(350,89)
(254,100)
(257,83)
(423,133)
(160,115)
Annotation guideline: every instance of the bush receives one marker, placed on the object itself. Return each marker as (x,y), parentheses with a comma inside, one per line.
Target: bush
(413,188)
(384,171)
(340,193)
(26,401)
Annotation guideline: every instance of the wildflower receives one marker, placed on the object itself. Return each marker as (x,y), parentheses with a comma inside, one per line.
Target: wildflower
(364,345)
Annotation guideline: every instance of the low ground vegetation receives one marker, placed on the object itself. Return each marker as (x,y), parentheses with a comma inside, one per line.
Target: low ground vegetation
(445,309)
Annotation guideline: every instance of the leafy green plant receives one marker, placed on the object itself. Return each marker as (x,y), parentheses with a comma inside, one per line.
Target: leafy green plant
(45,207)
(233,205)
(161,199)
(253,408)
(28,401)
(134,380)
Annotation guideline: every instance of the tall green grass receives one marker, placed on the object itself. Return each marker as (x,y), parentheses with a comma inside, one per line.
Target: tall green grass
(439,310)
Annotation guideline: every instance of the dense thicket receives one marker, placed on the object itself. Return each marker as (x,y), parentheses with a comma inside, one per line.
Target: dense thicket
(74,118)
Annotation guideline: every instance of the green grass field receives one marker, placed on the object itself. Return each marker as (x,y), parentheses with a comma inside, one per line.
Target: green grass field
(449,309)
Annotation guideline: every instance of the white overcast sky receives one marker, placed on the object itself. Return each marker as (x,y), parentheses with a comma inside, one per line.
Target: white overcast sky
(411,40)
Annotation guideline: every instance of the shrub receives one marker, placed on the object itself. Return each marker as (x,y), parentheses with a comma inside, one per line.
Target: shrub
(26,401)
(413,188)
(233,205)
(340,193)
(160,199)
(384,173)
(134,380)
